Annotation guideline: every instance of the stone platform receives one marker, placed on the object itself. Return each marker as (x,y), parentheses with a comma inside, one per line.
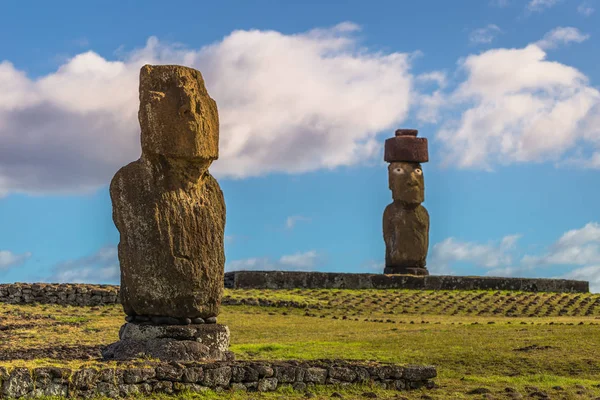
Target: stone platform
(206,342)
(332,280)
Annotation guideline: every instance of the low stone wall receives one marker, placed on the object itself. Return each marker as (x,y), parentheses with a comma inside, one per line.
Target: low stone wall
(64,293)
(330,280)
(169,378)
(95,295)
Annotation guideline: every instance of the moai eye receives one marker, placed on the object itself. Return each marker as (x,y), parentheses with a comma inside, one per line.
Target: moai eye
(398,170)
(418,171)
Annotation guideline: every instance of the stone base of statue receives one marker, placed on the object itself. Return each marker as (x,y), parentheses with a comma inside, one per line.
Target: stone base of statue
(205,342)
(405,271)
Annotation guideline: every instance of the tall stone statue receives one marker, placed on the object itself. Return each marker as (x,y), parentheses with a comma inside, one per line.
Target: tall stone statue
(170,213)
(406,221)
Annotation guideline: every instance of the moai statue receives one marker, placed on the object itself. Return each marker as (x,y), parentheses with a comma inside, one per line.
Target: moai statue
(170,213)
(406,221)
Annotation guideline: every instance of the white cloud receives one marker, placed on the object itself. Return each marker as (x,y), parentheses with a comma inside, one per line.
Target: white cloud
(9,259)
(540,5)
(575,247)
(490,255)
(287,103)
(590,274)
(521,108)
(561,35)
(484,35)
(101,267)
(427,106)
(302,261)
(291,221)
(585,9)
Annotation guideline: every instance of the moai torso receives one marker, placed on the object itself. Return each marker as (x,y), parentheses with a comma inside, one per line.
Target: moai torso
(406,221)
(169,210)
(406,235)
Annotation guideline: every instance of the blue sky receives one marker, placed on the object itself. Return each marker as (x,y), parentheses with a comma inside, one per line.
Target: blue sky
(506,91)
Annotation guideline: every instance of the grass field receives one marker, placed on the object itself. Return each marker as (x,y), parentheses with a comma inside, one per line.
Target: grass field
(507,343)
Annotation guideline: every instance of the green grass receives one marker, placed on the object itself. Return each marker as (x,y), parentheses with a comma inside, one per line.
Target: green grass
(495,340)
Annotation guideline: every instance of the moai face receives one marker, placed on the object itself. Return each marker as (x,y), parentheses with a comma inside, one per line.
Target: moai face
(177,116)
(406,182)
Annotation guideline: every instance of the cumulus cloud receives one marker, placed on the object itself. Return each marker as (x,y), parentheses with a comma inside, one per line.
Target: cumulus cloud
(575,247)
(484,35)
(291,221)
(578,248)
(590,274)
(100,267)
(9,259)
(585,9)
(520,108)
(487,255)
(561,35)
(428,100)
(287,103)
(302,261)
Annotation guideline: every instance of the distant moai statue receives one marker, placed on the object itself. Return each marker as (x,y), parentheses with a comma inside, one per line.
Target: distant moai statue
(406,221)
(170,213)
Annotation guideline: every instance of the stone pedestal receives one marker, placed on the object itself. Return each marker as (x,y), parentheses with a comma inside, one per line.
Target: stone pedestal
(405,271)
(206,342)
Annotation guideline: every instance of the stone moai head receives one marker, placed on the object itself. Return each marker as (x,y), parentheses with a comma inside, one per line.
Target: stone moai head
(405,153)
(177,117)
(406,182)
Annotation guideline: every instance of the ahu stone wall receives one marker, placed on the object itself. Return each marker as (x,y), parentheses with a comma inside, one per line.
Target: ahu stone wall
(335,280)
(171,378)
(79,294)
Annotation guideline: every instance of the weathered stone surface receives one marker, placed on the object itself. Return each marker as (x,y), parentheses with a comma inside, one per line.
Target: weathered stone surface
(18,383)
(267,384)
(405,146)
(406,221)
(415,373)
(336,280)
(193,375)
(177,116)
(169,372)
(342,374)
(215,336)
(138,375)
(169,210)
(285,374)
(85,379)
(146,378)
(217,376)
(406,235)
(53,293)
(315,375)
(163,349)
(406,182)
